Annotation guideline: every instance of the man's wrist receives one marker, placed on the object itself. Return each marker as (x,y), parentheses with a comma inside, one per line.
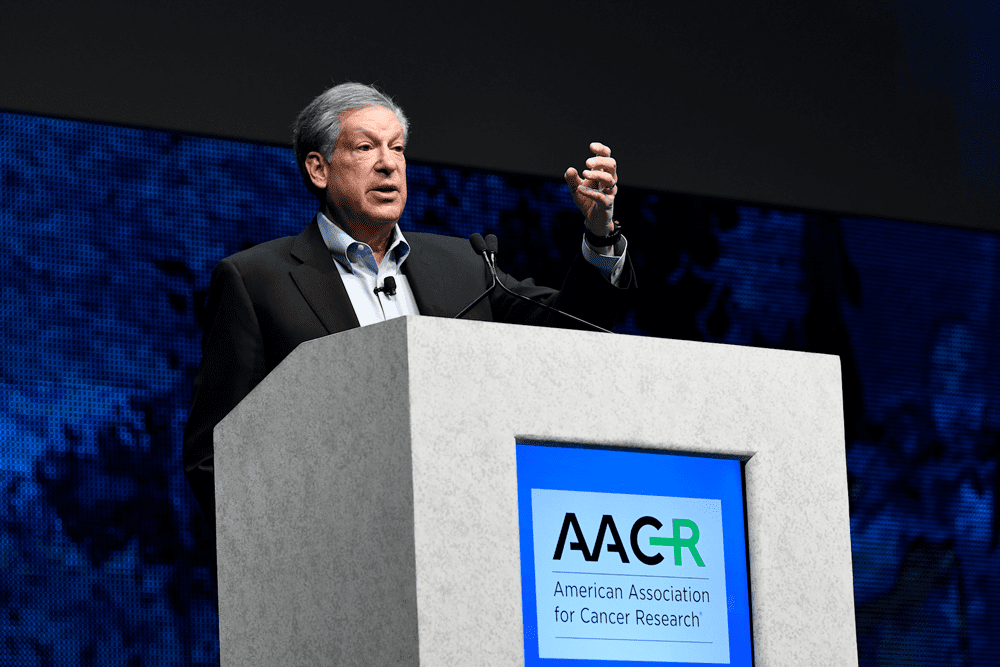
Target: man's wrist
(603,244)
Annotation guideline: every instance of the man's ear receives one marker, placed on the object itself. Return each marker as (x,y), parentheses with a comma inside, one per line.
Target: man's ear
(316,168)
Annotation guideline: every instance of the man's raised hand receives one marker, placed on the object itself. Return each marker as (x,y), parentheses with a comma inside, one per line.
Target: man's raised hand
(594,193)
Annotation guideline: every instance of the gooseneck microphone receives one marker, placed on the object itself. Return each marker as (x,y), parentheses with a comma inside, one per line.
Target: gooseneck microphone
(488,249)
(491,249)
(388,286)
(479,245)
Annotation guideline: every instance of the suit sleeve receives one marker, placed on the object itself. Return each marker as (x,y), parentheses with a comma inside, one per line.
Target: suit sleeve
(232,364)
(584,293)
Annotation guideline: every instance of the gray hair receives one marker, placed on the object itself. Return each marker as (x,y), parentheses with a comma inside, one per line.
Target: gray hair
(318,126)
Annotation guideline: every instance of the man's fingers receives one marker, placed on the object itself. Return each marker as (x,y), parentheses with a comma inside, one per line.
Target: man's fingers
(603,165)
(573,179)
(600,149)
(598,179)
(602,177)
(596,195)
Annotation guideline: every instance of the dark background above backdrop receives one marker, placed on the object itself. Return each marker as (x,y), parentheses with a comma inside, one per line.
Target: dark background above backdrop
(875,107)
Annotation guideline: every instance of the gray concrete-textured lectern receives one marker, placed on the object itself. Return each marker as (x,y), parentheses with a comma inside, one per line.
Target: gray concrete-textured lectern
(367,502)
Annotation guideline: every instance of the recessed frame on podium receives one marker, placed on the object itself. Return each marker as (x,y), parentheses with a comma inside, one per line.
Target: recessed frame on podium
(438,492)
(632,557)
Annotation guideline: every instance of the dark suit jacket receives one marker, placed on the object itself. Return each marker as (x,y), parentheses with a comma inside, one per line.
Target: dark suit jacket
(266,300)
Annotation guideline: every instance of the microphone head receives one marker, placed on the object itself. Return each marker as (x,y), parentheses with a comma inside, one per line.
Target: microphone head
(491,243)
(477,243)
(389,285)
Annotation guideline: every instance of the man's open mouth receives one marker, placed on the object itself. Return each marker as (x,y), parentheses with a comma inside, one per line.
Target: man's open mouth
(386,188)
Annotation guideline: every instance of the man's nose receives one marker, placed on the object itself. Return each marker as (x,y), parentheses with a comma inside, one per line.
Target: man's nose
(385,160)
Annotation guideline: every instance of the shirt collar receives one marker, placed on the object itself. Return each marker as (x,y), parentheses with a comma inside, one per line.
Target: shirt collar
(345,249)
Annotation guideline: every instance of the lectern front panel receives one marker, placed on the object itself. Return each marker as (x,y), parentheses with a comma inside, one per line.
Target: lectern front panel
(631,557)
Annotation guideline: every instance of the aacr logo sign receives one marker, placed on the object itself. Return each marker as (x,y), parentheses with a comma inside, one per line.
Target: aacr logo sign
(608,528)
(629,577)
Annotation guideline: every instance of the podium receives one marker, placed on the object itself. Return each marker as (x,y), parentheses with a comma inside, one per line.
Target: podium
(367,507)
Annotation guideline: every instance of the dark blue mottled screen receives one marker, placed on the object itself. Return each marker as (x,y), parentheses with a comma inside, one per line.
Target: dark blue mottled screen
(110,235)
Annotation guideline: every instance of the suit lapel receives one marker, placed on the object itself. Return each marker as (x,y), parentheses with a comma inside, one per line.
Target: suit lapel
(442,285)
(319,281)
(426,280)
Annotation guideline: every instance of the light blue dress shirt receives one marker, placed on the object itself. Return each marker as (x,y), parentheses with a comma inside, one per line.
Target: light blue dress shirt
(362,274)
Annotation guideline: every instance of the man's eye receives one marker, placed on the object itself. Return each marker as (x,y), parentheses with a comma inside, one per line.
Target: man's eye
(364,147)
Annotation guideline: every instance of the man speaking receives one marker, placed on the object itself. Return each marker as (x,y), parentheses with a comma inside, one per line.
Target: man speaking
(352,265)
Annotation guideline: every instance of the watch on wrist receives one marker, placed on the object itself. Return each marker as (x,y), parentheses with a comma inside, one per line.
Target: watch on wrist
(603,241)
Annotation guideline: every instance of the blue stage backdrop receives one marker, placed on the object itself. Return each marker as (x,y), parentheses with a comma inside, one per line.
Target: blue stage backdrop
(110,235)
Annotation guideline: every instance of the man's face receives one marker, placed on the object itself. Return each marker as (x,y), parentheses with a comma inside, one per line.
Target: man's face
(365,179)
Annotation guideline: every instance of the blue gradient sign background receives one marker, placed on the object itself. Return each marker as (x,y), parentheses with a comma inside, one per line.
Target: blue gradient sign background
(549,466)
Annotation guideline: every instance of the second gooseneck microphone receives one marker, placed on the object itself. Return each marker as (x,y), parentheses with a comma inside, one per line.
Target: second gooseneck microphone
(488,249)
(479,245)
